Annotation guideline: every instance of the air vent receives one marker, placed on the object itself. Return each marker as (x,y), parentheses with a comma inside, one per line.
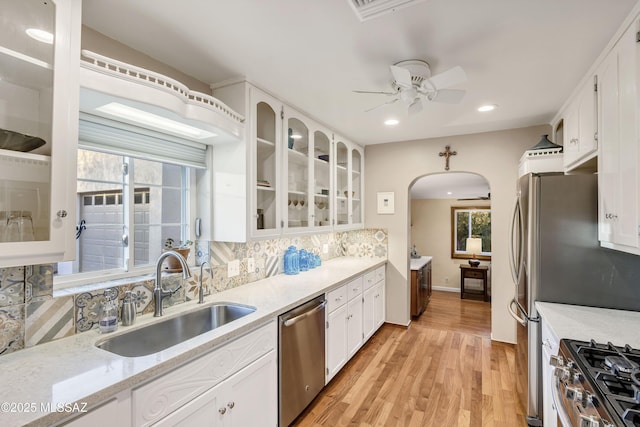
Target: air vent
(368,9)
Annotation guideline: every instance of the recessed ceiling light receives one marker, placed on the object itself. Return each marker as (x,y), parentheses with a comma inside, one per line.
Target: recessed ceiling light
(296,136)
(449,193)
(391,122)
(485,108)
(40,35)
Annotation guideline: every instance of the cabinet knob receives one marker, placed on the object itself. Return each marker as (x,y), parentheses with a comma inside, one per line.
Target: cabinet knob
(222,410)
(231,405)
(61,213)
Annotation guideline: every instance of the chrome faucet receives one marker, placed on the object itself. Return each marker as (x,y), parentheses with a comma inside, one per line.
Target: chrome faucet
(158,293)
(201,294)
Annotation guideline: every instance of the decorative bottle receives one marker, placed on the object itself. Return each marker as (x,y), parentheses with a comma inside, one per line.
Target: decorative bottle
(291,261)
(108,321)
(304,260)
(128,310)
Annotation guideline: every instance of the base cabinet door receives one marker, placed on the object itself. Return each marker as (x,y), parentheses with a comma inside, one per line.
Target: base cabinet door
(378,306)
(251,397)
(368,312)
(336,341)
(206,409)
(354,326)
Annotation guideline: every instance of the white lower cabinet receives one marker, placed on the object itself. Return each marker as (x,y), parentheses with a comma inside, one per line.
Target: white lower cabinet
(247,398)
(550,347)
(353,316)
(114,412)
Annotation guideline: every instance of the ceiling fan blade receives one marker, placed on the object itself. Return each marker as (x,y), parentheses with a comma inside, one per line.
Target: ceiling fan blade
(449,78)
(402,76)
(415,107)
(382,105)
(448,96)
(375,92)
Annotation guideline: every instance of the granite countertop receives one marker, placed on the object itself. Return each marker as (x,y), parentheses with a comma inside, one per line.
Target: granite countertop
(418,263)
(73,370)
(586,323)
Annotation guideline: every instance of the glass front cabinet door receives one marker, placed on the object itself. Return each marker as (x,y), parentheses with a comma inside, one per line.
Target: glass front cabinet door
(39,67)
(349,185)
(297,145)
(267,134)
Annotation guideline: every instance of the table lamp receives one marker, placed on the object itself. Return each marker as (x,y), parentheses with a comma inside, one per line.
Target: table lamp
(474,246)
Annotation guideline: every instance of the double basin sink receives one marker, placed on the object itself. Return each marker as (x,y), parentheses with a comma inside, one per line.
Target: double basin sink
(166,333)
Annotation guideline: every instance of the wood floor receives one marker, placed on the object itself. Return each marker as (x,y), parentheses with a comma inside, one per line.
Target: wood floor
(443,370)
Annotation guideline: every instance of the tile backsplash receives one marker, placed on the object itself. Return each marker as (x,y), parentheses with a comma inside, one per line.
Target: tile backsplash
(30,314)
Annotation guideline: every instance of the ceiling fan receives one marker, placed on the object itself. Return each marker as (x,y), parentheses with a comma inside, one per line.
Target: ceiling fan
(413,84)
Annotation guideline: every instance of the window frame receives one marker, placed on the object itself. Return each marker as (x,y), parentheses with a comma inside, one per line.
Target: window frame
(129,270)
(484,256)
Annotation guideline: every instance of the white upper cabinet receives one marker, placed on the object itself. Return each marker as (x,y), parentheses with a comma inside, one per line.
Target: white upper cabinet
(618,160)
(349,174)
(38,130)
(580,127)
(300,180)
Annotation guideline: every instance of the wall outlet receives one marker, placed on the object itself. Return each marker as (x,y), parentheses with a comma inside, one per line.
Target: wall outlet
(251,265)
(233,268)
(325,248)
(446,280)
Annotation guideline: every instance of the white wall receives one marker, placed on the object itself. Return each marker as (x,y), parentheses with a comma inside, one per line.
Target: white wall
(431,233)
(395,166)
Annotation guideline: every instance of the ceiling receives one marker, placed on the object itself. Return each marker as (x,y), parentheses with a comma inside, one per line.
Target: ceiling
(525,56)
(450,185)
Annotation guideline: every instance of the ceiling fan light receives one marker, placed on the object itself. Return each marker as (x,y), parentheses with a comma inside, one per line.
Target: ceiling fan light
(391,122)
(487,108)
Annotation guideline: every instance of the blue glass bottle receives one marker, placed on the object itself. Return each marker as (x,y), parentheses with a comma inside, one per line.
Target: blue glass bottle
(304,260)
(291,261)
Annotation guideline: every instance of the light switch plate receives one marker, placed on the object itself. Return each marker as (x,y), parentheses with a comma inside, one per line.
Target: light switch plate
(251,265)
(233,268)
(325,248)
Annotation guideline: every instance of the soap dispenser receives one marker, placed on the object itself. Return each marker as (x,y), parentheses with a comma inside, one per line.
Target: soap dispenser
(414,252)
(128,309)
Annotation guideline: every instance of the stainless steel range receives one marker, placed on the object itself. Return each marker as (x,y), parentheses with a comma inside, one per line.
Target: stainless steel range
(597,385)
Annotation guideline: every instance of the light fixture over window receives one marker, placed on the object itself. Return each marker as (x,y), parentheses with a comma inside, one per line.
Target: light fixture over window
(151,120)
(40,35)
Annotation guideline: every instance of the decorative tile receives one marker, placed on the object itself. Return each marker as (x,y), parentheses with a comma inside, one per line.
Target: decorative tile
(272,266)
(202,249)
(88,306)
(12,287)
(271,247)
(11,329)
(221,253)
(48,320)
(142,296)
(38,282)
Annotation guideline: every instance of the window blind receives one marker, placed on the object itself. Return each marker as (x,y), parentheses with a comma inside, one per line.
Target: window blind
(110,136)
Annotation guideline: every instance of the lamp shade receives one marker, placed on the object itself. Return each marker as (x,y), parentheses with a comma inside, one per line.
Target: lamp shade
(474,245)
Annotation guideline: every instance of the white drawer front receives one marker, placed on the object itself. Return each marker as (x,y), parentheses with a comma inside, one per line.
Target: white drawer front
(336,298)
(354,288)
(380,273)
(369,279)
(162,396)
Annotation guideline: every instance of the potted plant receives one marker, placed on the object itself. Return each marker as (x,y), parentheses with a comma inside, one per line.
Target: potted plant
(183,248)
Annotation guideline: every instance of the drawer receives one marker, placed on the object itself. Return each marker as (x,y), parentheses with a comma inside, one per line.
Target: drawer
(380,273)
(369,279)
(354,288)
(336,298)
(471,274)
(160,397)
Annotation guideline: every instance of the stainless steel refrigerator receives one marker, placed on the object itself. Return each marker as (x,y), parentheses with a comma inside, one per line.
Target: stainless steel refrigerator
(555,256)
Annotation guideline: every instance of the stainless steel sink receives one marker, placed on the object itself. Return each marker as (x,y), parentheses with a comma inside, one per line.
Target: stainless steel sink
(161,335)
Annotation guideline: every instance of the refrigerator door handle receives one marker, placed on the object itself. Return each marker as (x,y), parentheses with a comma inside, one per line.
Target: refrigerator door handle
(514,314)
(515,259)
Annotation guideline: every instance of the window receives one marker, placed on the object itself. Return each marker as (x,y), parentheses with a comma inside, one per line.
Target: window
(470,222)
(136,205)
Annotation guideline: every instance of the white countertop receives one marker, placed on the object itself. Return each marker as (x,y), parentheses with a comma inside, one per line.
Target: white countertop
(586,323)
(73,370)
(418,263)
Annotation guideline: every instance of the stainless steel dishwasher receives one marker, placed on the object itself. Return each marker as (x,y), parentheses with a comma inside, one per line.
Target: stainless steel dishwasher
(302,361)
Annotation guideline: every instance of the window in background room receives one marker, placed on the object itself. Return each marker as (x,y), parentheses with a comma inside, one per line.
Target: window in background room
(470,222)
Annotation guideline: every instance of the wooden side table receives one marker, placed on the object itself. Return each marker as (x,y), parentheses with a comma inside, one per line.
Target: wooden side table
(468,272)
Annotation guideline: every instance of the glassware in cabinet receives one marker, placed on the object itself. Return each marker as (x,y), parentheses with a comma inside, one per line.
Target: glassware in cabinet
(322,179)
(297,169)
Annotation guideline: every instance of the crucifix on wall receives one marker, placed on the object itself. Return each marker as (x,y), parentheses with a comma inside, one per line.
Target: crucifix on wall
(446,154)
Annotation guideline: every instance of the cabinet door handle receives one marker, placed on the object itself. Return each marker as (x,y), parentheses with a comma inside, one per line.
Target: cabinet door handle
(222,410)
(61,213)
(231,405)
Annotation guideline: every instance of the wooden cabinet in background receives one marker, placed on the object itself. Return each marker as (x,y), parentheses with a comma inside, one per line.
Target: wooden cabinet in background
(420,289)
